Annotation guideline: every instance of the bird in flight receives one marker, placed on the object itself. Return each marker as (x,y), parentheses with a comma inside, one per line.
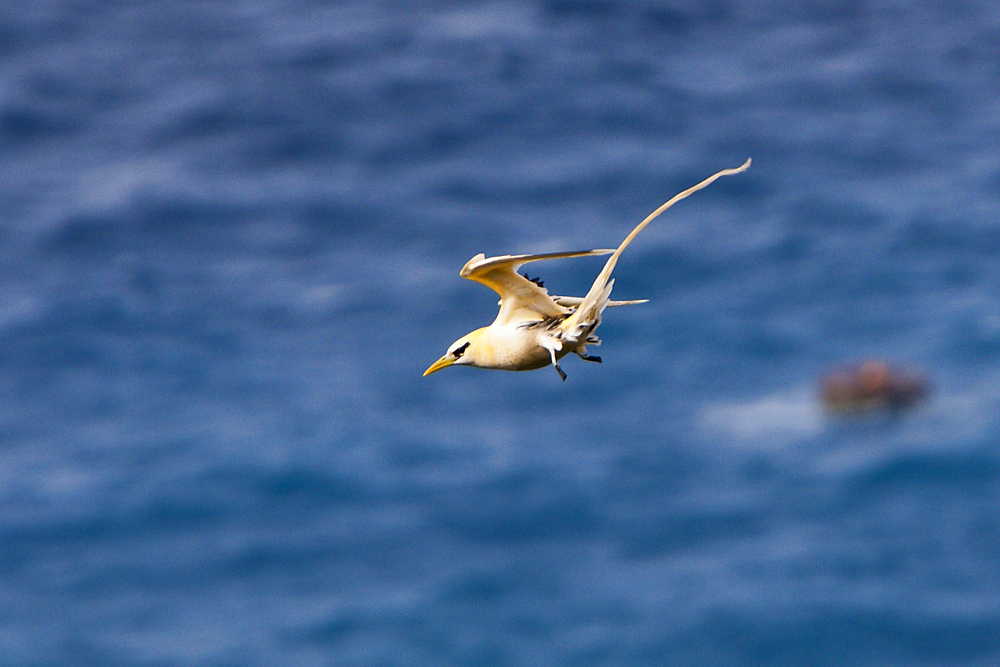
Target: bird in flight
(534,329)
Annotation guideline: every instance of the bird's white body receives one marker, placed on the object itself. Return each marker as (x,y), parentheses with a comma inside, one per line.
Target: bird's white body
(510,348)
(534,329)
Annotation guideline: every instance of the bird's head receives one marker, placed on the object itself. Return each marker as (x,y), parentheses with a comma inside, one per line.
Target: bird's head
(460,353)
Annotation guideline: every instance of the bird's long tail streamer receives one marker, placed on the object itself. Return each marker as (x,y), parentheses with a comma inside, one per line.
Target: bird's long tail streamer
(592,306)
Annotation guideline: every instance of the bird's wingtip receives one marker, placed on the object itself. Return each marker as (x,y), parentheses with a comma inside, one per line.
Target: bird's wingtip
(470,265)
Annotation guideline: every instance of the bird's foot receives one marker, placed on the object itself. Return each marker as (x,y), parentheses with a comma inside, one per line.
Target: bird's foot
(555,362)
(560,371)
(589,357)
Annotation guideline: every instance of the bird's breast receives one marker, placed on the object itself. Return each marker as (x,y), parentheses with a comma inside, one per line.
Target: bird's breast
(512,348)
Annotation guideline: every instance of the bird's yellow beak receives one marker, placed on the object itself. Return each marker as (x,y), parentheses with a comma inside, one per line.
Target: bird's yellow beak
(443,362)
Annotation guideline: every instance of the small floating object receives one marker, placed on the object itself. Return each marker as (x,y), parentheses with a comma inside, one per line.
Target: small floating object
(872,386)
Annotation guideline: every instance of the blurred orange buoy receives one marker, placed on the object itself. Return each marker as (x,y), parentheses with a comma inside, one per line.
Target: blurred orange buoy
(871,386)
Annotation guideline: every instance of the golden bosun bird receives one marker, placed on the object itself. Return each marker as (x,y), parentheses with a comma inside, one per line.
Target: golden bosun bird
(533,329)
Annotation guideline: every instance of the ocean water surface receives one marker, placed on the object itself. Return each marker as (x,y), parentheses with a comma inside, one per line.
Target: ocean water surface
(230,236)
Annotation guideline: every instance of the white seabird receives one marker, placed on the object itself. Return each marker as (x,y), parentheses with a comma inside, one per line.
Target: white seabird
(533,329)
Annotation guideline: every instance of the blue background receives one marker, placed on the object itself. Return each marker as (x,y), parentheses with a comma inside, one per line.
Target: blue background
(230,234)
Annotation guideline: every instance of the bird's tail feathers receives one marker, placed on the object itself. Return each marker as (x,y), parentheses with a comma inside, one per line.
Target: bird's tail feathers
(588,314)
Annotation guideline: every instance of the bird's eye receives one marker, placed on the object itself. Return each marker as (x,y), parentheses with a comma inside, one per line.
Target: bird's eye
(459,351)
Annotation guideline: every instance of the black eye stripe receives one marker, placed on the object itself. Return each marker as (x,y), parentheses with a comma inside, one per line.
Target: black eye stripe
(459,351)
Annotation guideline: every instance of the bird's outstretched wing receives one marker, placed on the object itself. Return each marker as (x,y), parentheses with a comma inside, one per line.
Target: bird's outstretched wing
(575,301)
(520,299)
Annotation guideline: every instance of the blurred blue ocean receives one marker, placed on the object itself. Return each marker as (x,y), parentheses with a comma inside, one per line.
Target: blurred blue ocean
(230,236)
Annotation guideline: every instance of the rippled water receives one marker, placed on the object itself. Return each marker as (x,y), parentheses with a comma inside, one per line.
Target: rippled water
(231,234)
